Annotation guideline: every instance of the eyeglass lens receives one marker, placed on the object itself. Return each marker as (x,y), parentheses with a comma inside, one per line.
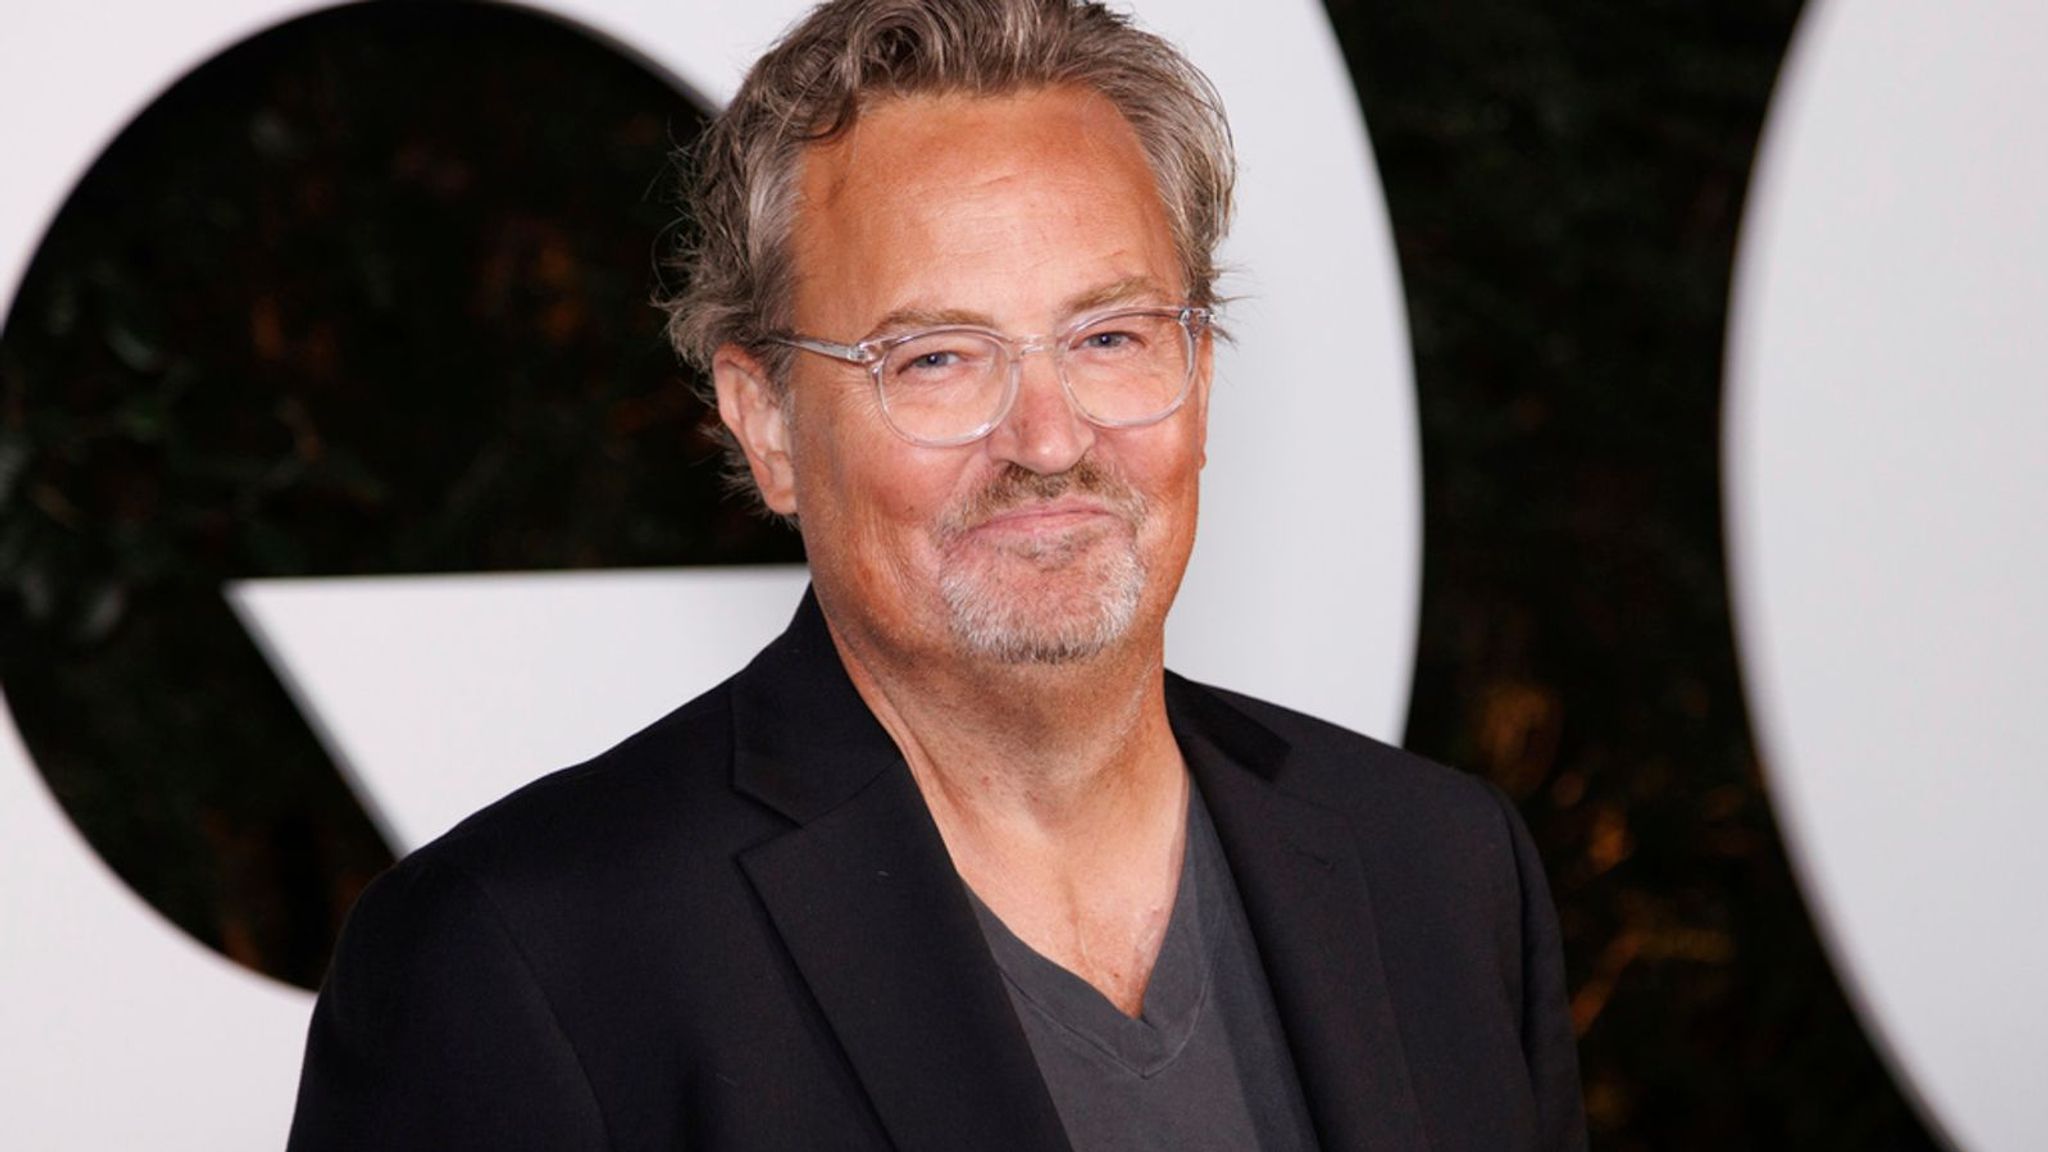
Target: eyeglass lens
(1122,369)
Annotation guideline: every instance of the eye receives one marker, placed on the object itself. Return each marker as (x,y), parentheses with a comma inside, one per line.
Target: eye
(1106,340)
(1119,338)
(940,359)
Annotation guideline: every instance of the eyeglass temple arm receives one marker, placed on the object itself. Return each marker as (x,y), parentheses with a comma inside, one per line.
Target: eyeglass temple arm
(851,353)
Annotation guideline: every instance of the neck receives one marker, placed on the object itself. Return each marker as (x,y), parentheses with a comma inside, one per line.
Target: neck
(1054,743)
(1059,792)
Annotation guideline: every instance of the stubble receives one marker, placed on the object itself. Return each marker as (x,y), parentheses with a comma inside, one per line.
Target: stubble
(1051,600)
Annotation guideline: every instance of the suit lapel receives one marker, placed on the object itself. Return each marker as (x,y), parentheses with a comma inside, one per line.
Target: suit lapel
(868,903)
(1310,910)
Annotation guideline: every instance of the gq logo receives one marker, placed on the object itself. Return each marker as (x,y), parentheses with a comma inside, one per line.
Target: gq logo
(432,691)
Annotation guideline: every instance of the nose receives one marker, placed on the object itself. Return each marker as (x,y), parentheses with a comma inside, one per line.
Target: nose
(1043,431)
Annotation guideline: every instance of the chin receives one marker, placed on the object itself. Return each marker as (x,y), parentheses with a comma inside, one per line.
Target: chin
(1023,610)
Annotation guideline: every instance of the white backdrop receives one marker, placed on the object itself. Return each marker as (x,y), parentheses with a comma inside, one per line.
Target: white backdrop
(1887,463)
(116,1031)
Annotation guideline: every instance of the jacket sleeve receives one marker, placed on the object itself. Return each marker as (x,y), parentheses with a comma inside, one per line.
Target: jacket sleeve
(432,1033)
(1549,1045)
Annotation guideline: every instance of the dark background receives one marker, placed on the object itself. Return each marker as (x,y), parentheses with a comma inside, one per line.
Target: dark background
(369,294)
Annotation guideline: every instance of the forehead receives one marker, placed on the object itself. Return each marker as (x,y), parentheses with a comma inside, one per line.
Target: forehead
(953,201)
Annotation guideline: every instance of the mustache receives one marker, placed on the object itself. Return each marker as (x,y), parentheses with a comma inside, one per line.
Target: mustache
(1015,486)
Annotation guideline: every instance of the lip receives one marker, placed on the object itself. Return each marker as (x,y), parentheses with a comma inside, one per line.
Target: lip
(1048,516)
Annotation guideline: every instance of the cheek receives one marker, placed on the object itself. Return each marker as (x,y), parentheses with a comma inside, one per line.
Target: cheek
(876,499)
(1169,475)
(1168,465)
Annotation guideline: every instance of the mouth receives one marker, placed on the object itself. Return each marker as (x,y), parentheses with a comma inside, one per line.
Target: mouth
(1019,505)
(1038,517)
(1044,534)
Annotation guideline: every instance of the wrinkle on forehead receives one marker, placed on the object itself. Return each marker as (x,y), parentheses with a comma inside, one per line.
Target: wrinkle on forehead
(829,166)
(1129,290)
(954,203)
(929,141)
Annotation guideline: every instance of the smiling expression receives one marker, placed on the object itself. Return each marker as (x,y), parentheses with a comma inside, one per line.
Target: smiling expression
(1051,539)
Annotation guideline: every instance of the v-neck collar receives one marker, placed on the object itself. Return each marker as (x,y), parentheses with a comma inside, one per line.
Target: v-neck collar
(1177,994)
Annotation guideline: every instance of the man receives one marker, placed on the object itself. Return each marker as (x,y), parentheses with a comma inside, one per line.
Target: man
(955,864)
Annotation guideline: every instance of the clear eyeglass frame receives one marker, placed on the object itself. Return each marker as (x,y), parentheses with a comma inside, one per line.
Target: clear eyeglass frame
(873,354)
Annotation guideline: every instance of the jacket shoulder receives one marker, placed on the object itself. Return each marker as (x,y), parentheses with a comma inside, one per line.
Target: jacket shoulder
(1337,767)
(666,788)
(1459,895)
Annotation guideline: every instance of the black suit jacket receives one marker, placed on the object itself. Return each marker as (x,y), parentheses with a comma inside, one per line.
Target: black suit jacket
(740,930)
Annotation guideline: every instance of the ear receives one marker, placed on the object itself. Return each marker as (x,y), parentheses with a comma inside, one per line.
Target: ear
(753,413)
(1205,370)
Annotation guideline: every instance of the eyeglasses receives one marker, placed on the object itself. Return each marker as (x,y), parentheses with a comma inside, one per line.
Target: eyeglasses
(942,387)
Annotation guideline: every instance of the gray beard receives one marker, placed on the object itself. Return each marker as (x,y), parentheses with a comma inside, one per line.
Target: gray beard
(994,620)
(1052,602)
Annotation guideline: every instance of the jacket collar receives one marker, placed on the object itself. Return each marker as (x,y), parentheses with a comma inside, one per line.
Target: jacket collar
(867,900)
(1304,890)
(804,742)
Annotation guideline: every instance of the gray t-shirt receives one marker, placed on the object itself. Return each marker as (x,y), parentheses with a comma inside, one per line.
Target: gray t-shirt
(1204,1067)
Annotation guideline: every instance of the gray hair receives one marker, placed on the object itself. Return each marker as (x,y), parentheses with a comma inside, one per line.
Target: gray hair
(741,175)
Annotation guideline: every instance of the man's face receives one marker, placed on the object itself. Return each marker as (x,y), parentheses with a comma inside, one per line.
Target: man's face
(1051,539)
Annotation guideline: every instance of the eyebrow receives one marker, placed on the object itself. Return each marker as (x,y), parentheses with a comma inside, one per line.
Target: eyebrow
(1125,291)
(912,319)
